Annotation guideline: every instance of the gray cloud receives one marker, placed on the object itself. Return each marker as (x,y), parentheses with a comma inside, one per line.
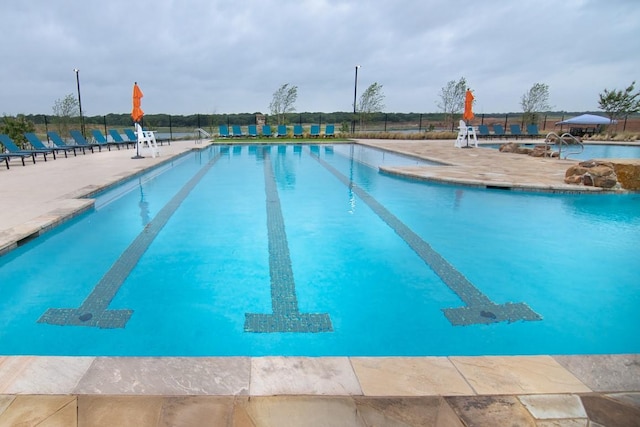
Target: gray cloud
(228,56)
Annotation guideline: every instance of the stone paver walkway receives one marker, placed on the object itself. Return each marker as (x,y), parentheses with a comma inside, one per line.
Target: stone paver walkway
(593,390)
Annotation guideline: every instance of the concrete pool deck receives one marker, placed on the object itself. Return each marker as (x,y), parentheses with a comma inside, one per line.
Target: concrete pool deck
(588,390)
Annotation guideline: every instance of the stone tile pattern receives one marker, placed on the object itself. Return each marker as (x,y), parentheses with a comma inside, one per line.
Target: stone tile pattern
(286,316)
(94,310)
(479,309)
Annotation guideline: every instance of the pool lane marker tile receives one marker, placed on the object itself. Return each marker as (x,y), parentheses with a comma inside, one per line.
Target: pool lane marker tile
(94,310)
(479,309)
(286,316)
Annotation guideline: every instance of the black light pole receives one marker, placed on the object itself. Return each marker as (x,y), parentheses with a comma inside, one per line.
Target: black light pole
(355,94)
(79,101)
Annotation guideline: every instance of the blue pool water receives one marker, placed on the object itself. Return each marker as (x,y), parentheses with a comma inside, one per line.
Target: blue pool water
(592,151)
(306,250)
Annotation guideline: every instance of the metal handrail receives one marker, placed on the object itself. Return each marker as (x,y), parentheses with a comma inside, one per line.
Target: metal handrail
(561,140)
(200,132)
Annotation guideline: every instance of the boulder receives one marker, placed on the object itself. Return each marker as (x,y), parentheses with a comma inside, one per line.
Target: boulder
(593,173)
(628,173)
(512,147)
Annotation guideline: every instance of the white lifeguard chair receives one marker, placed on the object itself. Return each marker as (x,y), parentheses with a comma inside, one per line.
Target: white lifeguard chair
(147,140)
(466,136)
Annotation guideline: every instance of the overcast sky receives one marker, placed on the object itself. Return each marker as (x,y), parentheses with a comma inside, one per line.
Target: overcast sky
(230,56)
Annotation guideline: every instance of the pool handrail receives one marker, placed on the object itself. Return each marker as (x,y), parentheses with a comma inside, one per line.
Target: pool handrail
(561,140)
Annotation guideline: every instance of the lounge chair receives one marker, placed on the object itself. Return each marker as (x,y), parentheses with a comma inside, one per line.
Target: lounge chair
(297,131)
(329,131)
(118,139)
(516,132)
(39,145)
(59,142)
(81,141)
(13,149)
(266,131)
(19,154)
(498,131)
(131,135)
(223,131)
(237,131)
(282,131)
(253,131)
(532,131)
(483,132)
(100,139)
(315,131)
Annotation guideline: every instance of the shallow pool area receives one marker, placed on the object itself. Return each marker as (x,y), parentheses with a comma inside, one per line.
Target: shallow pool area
(588,151)
(309,250)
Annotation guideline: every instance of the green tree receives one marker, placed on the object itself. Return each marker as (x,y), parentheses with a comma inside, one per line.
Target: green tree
(452,100)
(371,101)
(65,110)
(283,102)
(16,127)
(535,101)
(619,103)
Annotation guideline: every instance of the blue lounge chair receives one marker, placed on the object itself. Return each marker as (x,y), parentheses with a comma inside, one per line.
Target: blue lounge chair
(223,131)
(282,131)
(483,132)
(253,131)
(102,140)
(117,138)
(516,132)
(60,143)
(498,131)
(297,131)
(315,131)
(266,131)
(13,149)
(20,155)
(39,145)
(81,141)
(237,131)
(329,131)
(532,131)
(133,138)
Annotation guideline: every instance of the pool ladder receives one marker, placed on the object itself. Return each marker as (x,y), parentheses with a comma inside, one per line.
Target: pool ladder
(200,133)
(560,140)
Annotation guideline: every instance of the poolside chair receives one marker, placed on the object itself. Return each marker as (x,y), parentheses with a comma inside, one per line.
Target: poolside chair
(315,131)
(102,140)
(60,143)
(329,131)
(15,154)
(297,131)
(81,141)
(282,131)
(483,132)
(39,145)
(516,132)
(253,131)
(466,136)
(498,131)
(117,138)
(223,131)
(266,131)
(532,131)
(131,135)
(12,148)
(237,131)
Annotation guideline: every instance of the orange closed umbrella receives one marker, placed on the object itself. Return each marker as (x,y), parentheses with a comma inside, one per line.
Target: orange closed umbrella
(137,113)
(468,106)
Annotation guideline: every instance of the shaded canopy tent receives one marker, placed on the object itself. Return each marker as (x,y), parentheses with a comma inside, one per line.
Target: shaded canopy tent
(587,120)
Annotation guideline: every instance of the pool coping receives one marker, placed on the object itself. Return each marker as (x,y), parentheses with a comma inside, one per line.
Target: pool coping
(302,376)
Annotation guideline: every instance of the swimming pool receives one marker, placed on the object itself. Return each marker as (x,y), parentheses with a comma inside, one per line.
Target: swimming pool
(306,250)
(591,151)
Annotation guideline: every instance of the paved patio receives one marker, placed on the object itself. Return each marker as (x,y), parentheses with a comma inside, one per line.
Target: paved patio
(592,390)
